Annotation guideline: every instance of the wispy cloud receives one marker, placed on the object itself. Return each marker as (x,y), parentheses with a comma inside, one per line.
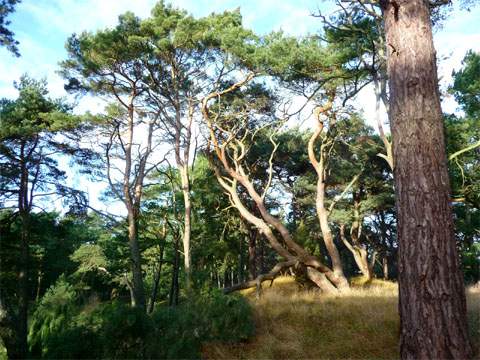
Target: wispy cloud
(43,26)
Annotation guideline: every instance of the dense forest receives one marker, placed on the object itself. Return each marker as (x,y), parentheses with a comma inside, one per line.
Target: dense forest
(253,211)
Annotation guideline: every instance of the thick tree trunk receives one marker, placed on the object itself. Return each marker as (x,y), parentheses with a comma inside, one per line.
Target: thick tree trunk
(431,290)
(321,281)
(135,257)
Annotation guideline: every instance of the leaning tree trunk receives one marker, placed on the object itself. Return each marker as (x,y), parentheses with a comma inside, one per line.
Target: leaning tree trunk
(231,165)
(327,234)
(322,212)
(359,252)
(431,290)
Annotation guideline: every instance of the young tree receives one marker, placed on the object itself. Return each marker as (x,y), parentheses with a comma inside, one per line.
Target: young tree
(325,130)
(110,63)
(432,294)
(33,135)
(185,63)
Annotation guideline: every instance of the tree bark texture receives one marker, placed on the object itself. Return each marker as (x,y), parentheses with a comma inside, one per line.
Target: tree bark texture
(431,290)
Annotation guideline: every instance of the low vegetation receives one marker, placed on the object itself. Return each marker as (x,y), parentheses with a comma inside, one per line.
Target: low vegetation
(64,328)
(297,323)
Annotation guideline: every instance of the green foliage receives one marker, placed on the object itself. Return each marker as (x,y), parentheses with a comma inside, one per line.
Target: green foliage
(470,263)
(6,35)
(52,315)
(61,328)
(34,112)
(466,85)
(211,316)
(90,258)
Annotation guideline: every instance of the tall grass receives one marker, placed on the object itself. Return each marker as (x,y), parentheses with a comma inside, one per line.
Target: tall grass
(293,323)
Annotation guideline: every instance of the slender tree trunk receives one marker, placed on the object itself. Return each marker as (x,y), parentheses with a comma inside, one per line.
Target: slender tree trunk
(136,261)
(156,280)
(174,288)
(132,203)
(289,249)
(359,252)
(385,267)
(187,221)
(23,273)
(130,290)
(328,237)
(431,290)
(252,253)
(39,285)
(240,262)
(322,212)
(23,287)
(261,256)
(379,87)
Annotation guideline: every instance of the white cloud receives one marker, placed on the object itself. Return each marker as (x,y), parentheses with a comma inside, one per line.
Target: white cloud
(55,20)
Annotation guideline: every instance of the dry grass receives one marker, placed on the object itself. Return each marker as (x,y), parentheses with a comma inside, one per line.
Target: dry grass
(293,323)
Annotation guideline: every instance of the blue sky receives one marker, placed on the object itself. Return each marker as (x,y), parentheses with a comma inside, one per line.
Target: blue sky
(42,27)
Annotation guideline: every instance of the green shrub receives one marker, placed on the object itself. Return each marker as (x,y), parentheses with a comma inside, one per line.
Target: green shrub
(51,318)
(61,328)
(121,330)
(209,316)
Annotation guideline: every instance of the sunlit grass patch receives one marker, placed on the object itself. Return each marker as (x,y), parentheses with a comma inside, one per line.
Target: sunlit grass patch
(361,323)
(473,308)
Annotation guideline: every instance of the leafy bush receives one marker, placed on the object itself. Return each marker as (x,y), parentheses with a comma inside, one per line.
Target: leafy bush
(61,328)
(51,317)
(211,316)
(470,263)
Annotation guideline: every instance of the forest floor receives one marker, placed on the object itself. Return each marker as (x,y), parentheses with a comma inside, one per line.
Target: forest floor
(293,323)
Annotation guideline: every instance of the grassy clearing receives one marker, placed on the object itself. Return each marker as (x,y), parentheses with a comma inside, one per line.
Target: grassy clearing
(297,324)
